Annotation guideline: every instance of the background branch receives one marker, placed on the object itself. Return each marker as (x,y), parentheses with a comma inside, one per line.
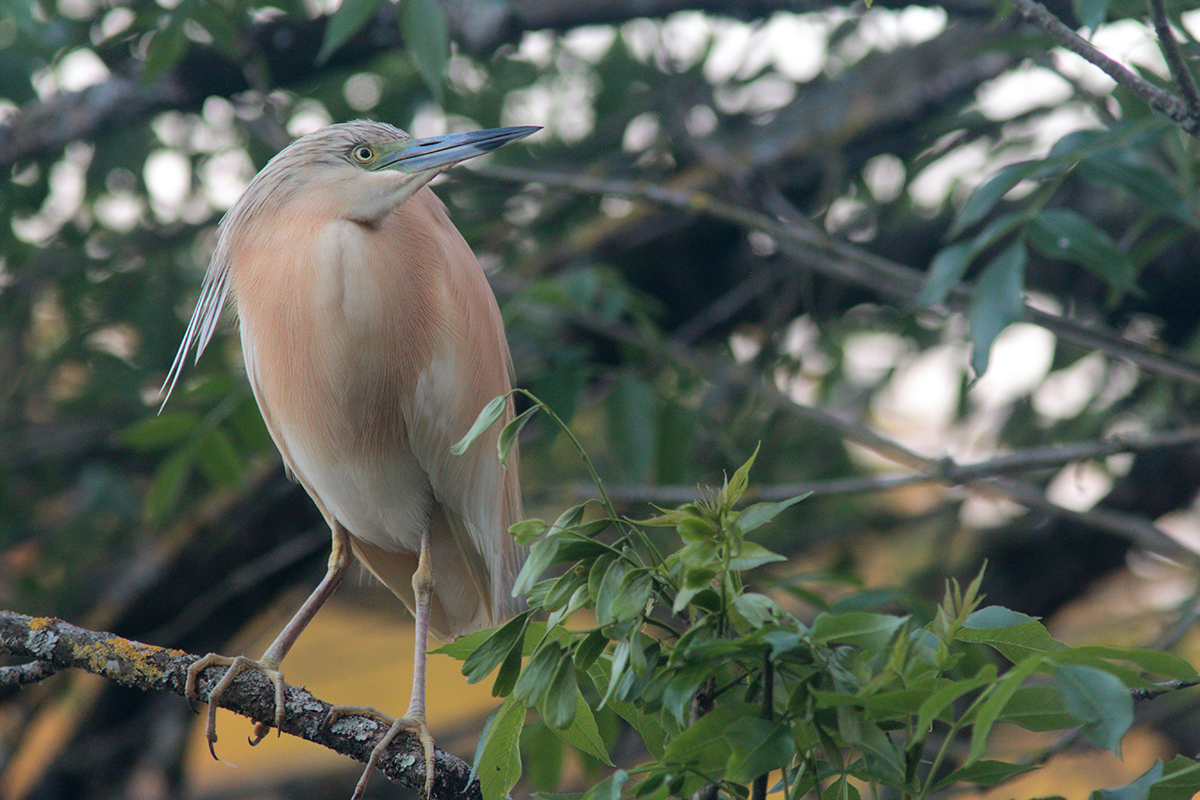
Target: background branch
(151,668)
(852,264)
(1160,100)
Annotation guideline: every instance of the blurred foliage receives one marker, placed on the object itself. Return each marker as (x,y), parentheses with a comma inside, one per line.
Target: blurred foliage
(934,174)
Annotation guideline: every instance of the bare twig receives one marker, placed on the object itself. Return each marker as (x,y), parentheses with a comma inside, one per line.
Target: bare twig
(1174,58)
(151,668)
(1161,100)
(847,262)
(1130,527)
(948,472)
(24,674)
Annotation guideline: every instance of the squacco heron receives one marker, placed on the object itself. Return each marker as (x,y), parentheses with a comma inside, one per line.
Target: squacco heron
(372,341)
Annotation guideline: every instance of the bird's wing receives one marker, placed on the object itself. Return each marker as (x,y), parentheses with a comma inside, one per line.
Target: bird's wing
(479,498)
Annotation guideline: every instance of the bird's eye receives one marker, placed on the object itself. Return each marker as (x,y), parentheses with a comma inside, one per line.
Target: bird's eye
(362,154)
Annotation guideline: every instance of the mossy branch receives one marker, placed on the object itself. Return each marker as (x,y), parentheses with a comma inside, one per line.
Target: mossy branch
(61,645)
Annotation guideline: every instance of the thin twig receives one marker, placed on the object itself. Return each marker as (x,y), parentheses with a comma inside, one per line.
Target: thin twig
(1131,527)
(252,695)
(1159,689)
(851,264)
(1174,58)
(25,674)
(1161,100)
(947,472)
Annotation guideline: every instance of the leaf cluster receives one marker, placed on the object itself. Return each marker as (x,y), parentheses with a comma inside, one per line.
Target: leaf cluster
(1116,158)
(724,686)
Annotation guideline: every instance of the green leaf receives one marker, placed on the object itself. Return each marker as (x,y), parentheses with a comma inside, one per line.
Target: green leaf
(1038,708)
(1153,661)
(856,627)
(632,596)
(933,706)
(1098,698)
(985,198)
(703,745)
(1001,693)
(166,488)
(620,661)
(462,647)
(949,266)
(756,609)
(583,733)
(735,486)
(159,432)
(757,746)
(427,39)
(759,514)
(498,755)
(507,675)
(857,729)
(526,531)
(540,557)
(682,686)
(983,773)
(568,519)
(994,617)
(1091,13)
(648,726)
(610,587)
(609,788)
(751,555)
(348,20)
(1144,184)
(491,412)
(539,673)
(1138,790)
(493,650)
(165,50)
(590,649)
(217,460)
(561,697)
(996,303)
(1180,781)
(1062,234)
(511,432)
(545,771)
(1004,630)
(946,271)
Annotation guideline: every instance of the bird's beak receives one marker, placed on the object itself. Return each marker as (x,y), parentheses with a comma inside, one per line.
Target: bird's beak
(439,152)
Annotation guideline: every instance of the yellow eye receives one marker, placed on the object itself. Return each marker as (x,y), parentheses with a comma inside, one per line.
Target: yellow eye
(362,154)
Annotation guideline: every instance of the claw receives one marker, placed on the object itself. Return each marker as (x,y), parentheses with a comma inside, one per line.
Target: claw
(234,667)
(412,724)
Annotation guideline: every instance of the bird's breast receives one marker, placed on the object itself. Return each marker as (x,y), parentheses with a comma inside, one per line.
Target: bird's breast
(334,349)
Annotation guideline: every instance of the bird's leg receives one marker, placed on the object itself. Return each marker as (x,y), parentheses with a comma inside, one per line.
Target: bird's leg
(413,720)
(339,564)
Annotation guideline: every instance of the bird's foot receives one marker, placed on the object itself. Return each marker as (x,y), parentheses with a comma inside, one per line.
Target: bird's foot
(412,724)
(234,667)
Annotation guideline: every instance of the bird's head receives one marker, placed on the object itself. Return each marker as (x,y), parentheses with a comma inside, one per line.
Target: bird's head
(365,170)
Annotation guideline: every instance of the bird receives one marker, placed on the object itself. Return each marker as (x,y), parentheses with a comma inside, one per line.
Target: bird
(372,340)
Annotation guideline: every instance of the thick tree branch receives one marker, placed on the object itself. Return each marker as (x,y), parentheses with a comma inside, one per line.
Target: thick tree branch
(286,50)
(151,668)
(1162,101)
